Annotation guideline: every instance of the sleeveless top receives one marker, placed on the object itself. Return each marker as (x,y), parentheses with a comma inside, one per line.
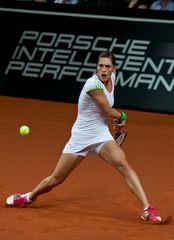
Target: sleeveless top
(91,124)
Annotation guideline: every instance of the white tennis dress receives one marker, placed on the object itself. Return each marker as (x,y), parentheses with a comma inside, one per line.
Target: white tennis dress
(91,125)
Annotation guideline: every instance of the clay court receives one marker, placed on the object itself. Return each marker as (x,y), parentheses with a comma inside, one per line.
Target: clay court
(93,203)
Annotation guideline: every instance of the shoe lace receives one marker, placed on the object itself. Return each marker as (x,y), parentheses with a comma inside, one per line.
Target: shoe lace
(21,199)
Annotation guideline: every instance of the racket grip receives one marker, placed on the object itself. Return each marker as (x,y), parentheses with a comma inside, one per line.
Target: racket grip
(116,121)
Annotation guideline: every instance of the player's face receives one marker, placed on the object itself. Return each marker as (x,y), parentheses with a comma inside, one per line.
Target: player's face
(105,68)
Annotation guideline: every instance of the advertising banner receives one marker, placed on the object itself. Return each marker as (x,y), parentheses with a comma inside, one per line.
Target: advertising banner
(49,55)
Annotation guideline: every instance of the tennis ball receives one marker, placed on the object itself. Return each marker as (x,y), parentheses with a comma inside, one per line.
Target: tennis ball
(24,130)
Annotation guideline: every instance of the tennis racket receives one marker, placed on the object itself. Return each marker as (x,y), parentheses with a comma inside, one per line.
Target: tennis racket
(120,137)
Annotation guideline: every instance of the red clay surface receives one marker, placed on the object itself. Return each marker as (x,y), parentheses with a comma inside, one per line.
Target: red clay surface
(93,203)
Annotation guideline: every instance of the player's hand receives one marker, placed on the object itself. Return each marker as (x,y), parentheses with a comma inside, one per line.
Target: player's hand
(118,126)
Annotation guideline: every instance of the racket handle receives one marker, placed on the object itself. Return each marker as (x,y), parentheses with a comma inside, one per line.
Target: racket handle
(116,121)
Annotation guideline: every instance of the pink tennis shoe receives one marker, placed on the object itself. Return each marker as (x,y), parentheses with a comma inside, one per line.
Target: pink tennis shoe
(18,200)
(151,215)
(21,200)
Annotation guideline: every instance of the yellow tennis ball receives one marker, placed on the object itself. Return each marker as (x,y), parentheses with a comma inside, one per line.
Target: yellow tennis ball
(24,130)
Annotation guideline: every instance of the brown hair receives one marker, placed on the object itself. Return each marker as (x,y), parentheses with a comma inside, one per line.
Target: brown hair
(107,55)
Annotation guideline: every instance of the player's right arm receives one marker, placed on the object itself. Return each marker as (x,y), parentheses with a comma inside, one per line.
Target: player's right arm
(99,96)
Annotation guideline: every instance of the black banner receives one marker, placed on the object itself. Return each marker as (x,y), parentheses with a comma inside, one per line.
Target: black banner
(50,54)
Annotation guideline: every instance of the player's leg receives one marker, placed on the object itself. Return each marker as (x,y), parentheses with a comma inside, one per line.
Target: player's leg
(114,155)
(65,166)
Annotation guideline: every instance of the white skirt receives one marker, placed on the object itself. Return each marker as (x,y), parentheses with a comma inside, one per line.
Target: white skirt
(83,144)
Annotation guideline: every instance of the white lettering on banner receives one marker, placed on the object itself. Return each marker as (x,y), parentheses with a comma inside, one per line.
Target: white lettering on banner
(83,42)
(151,80)
(28,35)
(58,55)
(99,42)
(138,47)
(133,63)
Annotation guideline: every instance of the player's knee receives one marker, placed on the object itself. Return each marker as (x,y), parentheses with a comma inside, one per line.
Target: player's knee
(123,167)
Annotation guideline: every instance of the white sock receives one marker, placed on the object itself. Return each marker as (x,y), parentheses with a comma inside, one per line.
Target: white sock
(27,195)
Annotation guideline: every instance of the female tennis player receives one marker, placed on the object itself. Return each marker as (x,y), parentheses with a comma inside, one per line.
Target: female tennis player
(90,135)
